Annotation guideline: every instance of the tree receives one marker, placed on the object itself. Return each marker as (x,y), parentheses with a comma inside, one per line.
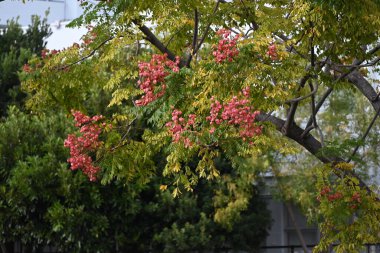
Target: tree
(16,47)
(241,78)
(43,204)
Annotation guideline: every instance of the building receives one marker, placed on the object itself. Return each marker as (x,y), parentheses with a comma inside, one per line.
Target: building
(59,10)
(283,236)
(60,13)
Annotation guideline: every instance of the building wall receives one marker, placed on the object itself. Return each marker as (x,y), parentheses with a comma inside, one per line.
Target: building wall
(59,10)
(283,232)
(60,13)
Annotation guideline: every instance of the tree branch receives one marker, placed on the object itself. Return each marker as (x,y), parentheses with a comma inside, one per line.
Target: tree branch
(313,146)
(207,28)
(374,50)
(255,26)
(312,54)
(294,132)
(365,88)
(370,64)
(365,135)
(312,93)
(307,130)
(149,36)
(318,106)
(329,90)
(356,64)
(291,48)
(293,107)
(290,118)
(314,113)
(195,38)
(312,104)
(173,36)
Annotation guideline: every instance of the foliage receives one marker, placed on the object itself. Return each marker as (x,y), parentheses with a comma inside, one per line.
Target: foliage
(43,203)
(16,47)
(344,205)
(192,227)
(31,165)
(289,55)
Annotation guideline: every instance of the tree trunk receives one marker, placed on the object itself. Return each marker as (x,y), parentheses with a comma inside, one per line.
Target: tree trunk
(299,234)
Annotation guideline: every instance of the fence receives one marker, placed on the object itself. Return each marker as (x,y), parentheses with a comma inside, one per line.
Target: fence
(369,248)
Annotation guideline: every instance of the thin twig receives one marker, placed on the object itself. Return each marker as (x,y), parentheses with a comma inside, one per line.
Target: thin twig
(307,131)
(303,97)
(87,56)
(173,36)
(248,31)
(313,118)
(207,28)
(312,102)
(235,32)
(321,135)
(314,114)
(356,64)
(137,47)
(319,105)
(255,26)
(312,55)
(364,136)
(374,50)
(291,48)
(370,64)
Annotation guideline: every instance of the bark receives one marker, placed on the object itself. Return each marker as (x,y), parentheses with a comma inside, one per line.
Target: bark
(149,36)
(365,88)
(312,145)
(295,133)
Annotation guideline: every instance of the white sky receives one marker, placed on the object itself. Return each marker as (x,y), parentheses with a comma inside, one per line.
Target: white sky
(63,37)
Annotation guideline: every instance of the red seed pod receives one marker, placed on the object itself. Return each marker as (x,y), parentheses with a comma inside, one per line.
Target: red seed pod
(226,48)
(153,73)
(272,52)
(235,112)
(87,142)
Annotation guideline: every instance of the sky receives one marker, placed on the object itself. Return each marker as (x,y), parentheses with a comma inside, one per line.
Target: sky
(63,37)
